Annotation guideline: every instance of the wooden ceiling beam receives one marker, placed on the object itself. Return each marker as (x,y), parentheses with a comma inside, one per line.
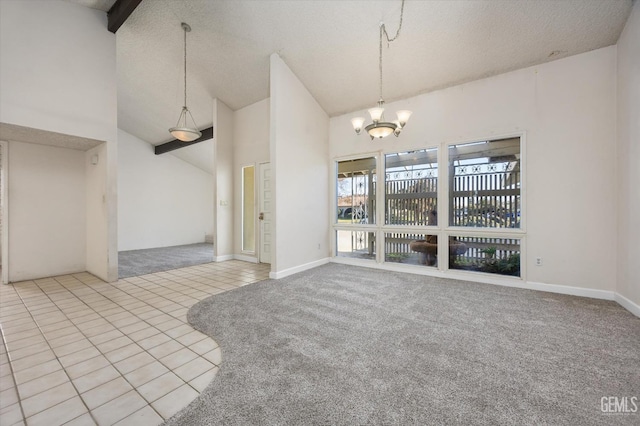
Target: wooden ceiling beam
(176,144)
(119,12)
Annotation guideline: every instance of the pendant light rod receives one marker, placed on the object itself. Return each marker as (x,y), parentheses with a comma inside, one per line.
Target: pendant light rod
(186,29)
(182,131)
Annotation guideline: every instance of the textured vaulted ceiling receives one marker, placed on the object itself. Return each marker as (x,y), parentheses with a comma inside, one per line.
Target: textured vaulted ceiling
(332,46)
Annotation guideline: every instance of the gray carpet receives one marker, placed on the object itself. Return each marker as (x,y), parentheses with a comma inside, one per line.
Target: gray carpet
(346,345)
(134,263)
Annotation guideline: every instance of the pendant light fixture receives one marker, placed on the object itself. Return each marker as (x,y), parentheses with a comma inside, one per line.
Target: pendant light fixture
(381,128)
(182,131)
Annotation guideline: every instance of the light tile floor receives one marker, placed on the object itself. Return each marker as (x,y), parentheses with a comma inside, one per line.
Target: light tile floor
(79,351)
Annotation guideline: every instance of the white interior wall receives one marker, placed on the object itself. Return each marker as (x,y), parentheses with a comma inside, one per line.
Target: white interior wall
(300,170)
(58,73)
(223,177)
(628,160)
(250,147)
(567,109)
(163,200)
(47,202)
(58,68)
(199,155)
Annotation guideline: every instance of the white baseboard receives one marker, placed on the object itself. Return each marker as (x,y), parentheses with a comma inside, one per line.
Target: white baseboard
(488,279)
(499,280)
(433,272)
(222,258)
(286,272)
(628,304)
(572,291)
(245,258)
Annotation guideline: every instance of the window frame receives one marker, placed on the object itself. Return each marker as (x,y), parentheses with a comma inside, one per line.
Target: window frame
(335,226)
(523,188)
(384,193)
(443,230)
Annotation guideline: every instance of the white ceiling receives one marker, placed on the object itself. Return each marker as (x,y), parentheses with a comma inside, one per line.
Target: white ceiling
(332,46)
(103,5)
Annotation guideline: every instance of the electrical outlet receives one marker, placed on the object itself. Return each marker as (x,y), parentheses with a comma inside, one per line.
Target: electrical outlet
(538,261)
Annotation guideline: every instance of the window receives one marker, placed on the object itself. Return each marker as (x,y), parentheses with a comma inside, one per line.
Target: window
(484,184)
(480,254)
(411,248)
(480,188)
(411,188)
(356,191)
(356,244)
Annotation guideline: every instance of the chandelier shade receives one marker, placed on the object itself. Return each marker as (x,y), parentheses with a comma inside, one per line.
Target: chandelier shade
(380,129)
(376,113)
(403,116)
(357,123)
(182,131)
(185,134)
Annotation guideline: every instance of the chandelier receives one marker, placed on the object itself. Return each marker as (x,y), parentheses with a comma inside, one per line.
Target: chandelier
(381,128)
(182,131)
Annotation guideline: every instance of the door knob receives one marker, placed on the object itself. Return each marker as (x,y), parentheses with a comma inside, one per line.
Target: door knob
(261,216)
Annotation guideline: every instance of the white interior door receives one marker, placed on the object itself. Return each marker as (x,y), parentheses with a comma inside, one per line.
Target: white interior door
(264,214)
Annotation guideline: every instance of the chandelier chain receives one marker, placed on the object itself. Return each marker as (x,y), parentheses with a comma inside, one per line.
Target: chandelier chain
(383,32)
